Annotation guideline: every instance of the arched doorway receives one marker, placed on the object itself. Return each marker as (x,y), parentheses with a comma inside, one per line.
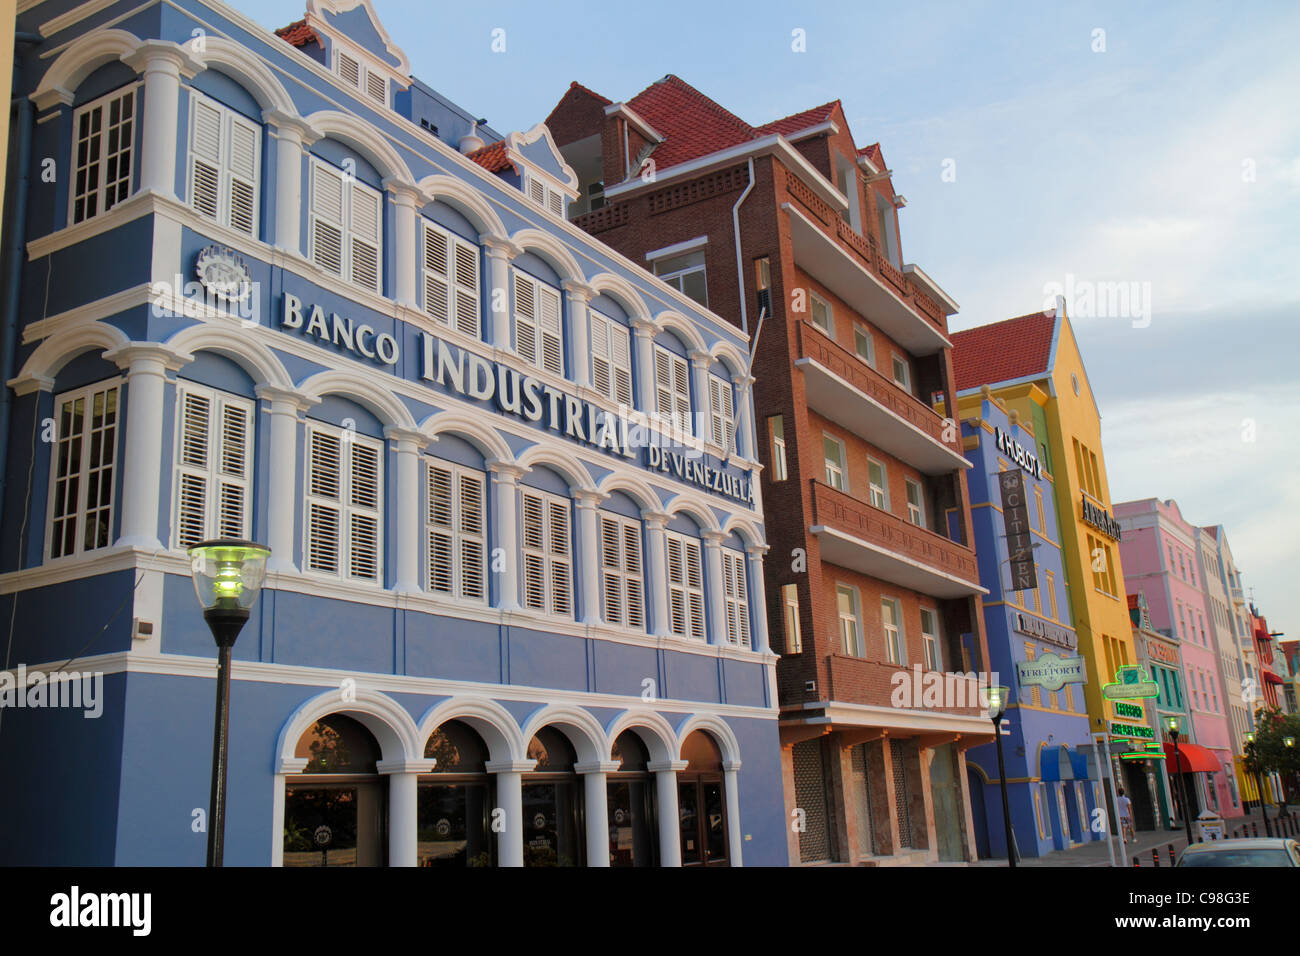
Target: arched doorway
(335,808)
(633,836)
(455,800)
(552,803)
(701,803)
(978,811)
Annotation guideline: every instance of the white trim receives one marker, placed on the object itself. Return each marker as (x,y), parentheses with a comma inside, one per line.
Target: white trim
(842,713)
(966,586)
(677,248)
(827,126)
(635,118)
(932,288)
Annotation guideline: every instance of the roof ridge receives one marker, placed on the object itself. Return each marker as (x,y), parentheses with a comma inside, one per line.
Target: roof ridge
(682,86)
(575,85)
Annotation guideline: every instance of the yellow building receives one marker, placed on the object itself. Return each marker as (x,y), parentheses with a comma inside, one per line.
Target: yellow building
(1034,365)
(8,10)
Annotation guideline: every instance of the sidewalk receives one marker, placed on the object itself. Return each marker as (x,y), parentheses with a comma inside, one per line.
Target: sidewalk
(1094,852)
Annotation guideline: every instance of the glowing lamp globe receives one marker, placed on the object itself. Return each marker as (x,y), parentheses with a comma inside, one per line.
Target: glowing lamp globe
(998,697)
(228,574)
(1173,724)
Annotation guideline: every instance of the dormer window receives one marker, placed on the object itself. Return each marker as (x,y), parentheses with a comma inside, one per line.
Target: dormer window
(354,73)
(547,197)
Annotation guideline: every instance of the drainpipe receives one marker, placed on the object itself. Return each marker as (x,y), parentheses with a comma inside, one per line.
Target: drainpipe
(21,117)
(740,262)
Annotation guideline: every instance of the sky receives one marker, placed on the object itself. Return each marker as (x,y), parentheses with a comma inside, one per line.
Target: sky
(1153,148)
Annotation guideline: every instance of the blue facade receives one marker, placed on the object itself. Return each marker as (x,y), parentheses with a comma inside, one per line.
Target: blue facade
(1050,785)
(437,403)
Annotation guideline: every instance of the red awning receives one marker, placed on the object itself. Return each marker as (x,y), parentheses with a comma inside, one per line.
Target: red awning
(1192,759)
(1271,678)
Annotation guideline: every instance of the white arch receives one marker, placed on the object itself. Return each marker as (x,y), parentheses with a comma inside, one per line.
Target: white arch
(362,137)
(623,292)
(744,527)
(251,73)
(582,729)
(62,347)
(499,730)
(561,460)
(466,200)
(348,384)
(82,57)
(722,734)
(556,253)
(384,717)
(248,353)
(483,437)
(730,356)
(694,505)
(634,487)
(683,328)
(657,734)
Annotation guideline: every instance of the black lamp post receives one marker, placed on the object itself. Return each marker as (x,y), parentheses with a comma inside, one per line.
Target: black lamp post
(228,576)
(1174,726)
(998,698)
(1253,756)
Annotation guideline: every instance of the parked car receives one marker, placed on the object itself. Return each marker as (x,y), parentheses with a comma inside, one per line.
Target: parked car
(1278,851)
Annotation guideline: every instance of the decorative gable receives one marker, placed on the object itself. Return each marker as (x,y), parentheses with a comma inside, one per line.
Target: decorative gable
(359,49)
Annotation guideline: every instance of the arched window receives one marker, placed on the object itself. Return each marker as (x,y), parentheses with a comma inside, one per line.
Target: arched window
(611,358)
(103,153)
(451,279)
(622,575)
(455,801)
(343,504)
(633,835)
(225,162)
(539,328)
(685,586)
(83,472)
(456,525)
(547,552)
(213,484)
(552,804)
(346,224)
(701,803)
(334,809)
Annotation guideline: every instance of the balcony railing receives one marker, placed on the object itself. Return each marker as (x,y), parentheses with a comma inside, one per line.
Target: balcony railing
(814,344)
(857,680)
(892,548)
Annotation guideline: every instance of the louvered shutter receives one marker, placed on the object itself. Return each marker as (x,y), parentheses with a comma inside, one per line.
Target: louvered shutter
(602,369)
(610,548)
(377,87)
(548,315)
(737,598)
(205,158)
(682,393)
(233,498)
(537,192)
(327,218)
(350,70)
(324,506)
(534,559)
(561,570)
(632,564)
(364,228)
(677,608)
(526,318)
(192,471)
(555,202)
(663,382)
(437,275)
(473,547)
(694,582)
(363,530)
(621,353)
(245,147)
(721,413)
(442,569)
(467,288)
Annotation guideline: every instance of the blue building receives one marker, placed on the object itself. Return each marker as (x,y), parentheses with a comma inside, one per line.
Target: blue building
(272,287)
(1051,787)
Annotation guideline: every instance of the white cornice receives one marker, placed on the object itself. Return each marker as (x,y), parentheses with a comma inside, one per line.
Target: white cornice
(635,118)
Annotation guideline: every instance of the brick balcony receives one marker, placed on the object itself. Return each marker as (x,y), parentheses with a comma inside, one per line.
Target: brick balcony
(859,536)
(857,680)
(848,391)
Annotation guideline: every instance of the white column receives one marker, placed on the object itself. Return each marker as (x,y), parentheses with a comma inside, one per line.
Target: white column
(162,63)
(403,809)
(700,406)
(596,809)
(657,585)
(146,364)
(505,523)
(499,253)
(746,436)
(588,503)
(408,444)
(510,800)
(670,837)
(643,357)
(578,295)
(731,794)
(406,200)
(757,591)
(283,493)
(291,136)
(714,594)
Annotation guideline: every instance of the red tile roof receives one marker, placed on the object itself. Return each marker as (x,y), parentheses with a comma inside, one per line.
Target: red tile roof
(298,34)
(492,157)
(800,121)
(1011,349)
(692,124)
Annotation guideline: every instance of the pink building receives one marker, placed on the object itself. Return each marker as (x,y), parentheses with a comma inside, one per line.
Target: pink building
(1158,551)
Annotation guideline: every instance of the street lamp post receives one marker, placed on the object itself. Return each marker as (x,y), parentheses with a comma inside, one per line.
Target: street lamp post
(1259,782)
(1289,743)
(1174,726)
(998,698)
(228,576)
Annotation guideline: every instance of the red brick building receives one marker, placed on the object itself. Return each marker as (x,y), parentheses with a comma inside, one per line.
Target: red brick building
(871,578)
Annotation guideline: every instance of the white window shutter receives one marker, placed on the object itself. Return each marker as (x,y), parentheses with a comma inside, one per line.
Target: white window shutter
(602,369)
(327,218)
(561,570)
(635,585)
(363,530)
(192,459)
(441,539)
(245,149)
(695,583)
(663,382)
(682,393)
(324,506)
(364,232)
(377,87)
(473,546)
(621,353)
(206,150)
(349,70)
(534,559)
(437,274)
(549,326)
(467,288)
(233,495)
(526,318)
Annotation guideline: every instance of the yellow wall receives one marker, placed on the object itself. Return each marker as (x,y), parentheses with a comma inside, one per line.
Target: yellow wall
(7,13)
(1096,614)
